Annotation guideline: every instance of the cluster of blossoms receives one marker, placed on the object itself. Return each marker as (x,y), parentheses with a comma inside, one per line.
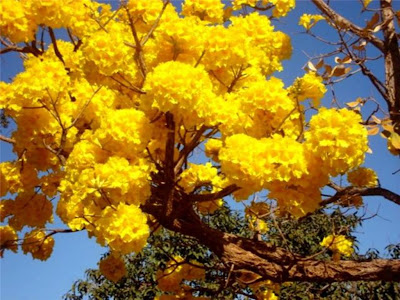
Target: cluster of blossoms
(91,121)
(112,267)
(308,21)
(339,244)
(363,177)
(171,279)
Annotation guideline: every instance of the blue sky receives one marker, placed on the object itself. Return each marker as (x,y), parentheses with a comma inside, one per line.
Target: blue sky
(24,278)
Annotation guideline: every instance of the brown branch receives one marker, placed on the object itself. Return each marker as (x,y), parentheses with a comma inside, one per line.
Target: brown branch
(360,62)
(26,49)
(55,47)
(7,140)
(138,46)
(343,23)
(360,191)
(392,62)
(272,262)
(157,21)
(188,148)
(213,196)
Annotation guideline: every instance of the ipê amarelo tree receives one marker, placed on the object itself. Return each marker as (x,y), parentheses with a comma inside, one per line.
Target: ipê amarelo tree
(107,119)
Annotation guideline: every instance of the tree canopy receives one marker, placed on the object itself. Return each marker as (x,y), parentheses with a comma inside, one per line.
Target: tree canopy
(155,116)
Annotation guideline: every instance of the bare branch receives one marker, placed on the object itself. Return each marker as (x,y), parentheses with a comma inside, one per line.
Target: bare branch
(360,191)
(157,21)
(343,23)
(6,139)
(55,47)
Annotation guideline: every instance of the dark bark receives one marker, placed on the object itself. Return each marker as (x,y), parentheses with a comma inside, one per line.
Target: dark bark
(392,62)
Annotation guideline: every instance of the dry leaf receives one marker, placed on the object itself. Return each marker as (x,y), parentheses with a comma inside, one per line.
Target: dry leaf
(376,120)
(360,47)
(352,104)
(374,20)
(395,140)
(373,131)
(388,127)
(319,64)
(311,66)
(339,71)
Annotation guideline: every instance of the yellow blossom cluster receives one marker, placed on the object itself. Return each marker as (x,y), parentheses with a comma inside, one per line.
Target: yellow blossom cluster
(363,177)
(197,176)
(339,244)
(351,200)
(90,117)
(8,239)
(100,51)
(308,21)
(261,161)
(20,19)
(38,244)
(259,109)
(208,10)
(309,86)
(112,267)
(265,289)
(338,138)
(170,279)
(180,89)
(212,148)
(16,22)
(30,209)
(254,213)
(281,7)
(230,47)
(123,228)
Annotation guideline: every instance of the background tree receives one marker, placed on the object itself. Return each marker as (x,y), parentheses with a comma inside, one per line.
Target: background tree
(110,121)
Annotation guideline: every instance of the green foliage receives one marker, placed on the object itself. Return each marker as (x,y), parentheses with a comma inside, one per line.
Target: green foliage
(299,236)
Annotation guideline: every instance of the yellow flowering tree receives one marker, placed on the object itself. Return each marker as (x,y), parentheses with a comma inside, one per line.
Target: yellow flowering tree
(108,118)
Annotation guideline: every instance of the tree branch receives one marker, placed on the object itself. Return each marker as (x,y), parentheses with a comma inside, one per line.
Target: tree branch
(214,196)
(271,262)
(361,191)
(392,63)
(6,139)
(343,23)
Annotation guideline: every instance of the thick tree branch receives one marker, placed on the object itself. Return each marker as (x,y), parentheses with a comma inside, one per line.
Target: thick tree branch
(269,261)
(360,191)
(392,62)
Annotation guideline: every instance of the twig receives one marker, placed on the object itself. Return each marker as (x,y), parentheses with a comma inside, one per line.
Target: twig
(7,140)
(55,47)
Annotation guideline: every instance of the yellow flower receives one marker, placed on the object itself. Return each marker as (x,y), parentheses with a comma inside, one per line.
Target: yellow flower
(310,86)
(38,244)
(8,239)
(207,10)
(363,177)
(123,228)
(113,267)
(338,244)
(308,21)
(338,139)
(169,280)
